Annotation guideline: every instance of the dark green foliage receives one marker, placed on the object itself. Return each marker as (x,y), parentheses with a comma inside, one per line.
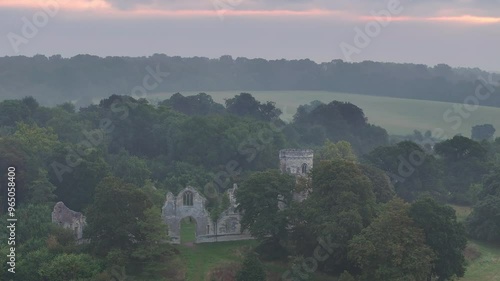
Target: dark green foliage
(12,111)
(443,234)
(259,197)
(413,171)
(34,222)
(341,205)
(200,104)
(337,121)
(484,221)
(392,248)
(491,184)
(77,186)
(382,185)
(113,218)
(130,169)
(483,132)
(70,267)
(464,165)
(119,183)
(245,104)
(251,270)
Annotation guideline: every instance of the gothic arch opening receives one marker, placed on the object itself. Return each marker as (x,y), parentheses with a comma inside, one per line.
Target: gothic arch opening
(187,198)
(188,227)
(304,168)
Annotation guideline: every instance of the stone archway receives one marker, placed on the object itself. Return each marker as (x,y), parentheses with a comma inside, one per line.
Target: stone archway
(188,203)
(191,203)
(188,230)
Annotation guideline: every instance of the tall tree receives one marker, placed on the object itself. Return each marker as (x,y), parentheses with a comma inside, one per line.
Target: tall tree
(245,104)
(341,204)
(484,221)
(392,248)
(341,150)
(443,234)
(465,163)
(413,171)
(483,132)
(259,198)
(116,217)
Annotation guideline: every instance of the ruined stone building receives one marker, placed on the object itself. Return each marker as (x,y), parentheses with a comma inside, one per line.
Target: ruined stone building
(69,219)
(296,161)
(190,203)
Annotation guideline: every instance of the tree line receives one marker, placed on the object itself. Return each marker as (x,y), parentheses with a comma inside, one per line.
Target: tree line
(84,77)
(122,152)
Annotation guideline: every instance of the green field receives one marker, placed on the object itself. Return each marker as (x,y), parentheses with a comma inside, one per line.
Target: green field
(198,260)
(397,116)
(487,266)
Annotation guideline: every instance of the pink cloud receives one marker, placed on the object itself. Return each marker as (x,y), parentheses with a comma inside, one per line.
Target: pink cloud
(104,8)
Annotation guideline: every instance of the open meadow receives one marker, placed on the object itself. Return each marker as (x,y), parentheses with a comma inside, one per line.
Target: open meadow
(398,116)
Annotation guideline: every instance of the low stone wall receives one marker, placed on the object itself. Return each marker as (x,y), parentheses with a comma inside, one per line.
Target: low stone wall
(222,238)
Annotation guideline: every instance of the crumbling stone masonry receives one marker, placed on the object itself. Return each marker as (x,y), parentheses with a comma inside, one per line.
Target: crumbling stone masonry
(296,161)
(69,219)
(190,203)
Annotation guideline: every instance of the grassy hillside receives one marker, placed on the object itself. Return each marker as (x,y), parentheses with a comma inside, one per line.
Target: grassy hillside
(398,116)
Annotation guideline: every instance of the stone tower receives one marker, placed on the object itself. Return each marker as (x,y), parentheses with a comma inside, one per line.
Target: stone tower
(296,161)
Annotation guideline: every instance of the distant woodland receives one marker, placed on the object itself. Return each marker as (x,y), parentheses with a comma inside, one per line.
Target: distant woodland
(52,80)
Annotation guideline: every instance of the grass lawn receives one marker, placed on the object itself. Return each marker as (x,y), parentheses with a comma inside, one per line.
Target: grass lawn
(487,266)
(201,258)
(188,231)
(462,212)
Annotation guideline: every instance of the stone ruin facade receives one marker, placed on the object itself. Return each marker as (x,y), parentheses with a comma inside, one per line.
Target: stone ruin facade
(189,203)
(69,219)
(296,161)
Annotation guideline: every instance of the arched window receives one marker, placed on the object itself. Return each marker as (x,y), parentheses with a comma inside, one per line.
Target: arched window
(304,168)
(187,198)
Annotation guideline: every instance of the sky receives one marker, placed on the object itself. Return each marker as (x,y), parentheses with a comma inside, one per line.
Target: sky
(461,33)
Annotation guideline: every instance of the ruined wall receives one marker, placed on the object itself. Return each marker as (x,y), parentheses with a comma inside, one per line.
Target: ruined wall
(296,161)
(174,210)
(69,219)
(179,207)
